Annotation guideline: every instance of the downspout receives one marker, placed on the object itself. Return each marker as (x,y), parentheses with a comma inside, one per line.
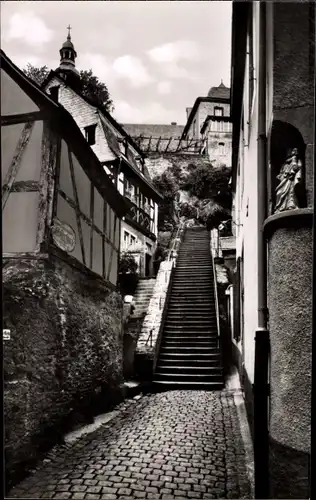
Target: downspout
(313,391)
(261,387)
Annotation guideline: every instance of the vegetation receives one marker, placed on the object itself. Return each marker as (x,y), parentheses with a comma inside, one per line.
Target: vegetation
(127,264)
(207,198)
(207,182)
(169,187)
(91,86)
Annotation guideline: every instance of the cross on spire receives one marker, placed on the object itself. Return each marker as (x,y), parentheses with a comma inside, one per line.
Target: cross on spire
(68,28)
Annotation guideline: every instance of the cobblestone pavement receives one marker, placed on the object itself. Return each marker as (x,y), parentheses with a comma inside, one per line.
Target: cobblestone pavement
(177,444)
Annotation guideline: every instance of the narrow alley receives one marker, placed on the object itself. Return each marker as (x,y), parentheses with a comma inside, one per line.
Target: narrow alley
(175,444)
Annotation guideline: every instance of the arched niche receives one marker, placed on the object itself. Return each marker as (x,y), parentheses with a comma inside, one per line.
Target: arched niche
(285,137)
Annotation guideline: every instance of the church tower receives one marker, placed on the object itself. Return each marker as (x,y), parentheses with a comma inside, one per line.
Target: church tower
(68,56)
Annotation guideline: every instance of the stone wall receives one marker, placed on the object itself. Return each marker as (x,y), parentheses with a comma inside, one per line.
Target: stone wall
(290,306)
(158,163)
(156,305)
(65,347)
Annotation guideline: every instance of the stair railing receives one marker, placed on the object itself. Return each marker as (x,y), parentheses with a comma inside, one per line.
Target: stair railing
(176,241)
(215,291)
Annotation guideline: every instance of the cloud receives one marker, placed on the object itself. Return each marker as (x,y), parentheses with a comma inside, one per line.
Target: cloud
(175,51)
(132,69)
(29,28)
(100,65)
(153,112)
(128,68)
(164,87)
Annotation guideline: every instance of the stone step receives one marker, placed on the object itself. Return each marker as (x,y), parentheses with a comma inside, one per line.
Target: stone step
(181,360)
(192,349)
(186,343)
(215,376)
(164,385)
(189,370)
(185,315)
(203,357)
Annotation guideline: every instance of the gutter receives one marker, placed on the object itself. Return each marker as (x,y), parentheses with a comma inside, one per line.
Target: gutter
(262,347)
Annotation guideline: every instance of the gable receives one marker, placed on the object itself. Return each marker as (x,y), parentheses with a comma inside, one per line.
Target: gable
(14,100)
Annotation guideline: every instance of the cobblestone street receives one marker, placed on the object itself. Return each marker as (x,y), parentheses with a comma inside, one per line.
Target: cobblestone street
(177,444)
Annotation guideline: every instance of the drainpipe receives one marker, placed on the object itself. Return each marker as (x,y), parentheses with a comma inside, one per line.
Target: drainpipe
(261,387)
(313,412)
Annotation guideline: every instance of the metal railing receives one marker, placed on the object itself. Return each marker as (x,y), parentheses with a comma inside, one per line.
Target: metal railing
(177,240)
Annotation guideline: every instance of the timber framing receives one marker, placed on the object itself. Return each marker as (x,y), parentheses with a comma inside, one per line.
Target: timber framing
(25,187)
(15,119)
(86,219)
(16,162)
(77,206)
(58,125)
(63,123)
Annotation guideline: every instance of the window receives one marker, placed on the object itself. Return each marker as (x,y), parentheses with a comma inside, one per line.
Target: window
(90,134)
(133,241)
(218,111)
(126,239)
(221,147)
(54,92)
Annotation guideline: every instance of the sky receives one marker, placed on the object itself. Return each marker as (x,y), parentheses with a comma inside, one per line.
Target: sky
(156,57)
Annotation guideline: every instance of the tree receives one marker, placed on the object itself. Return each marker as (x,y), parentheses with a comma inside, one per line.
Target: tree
(90,85)
(95,90)
(168,187)
(207,182)
(36,74)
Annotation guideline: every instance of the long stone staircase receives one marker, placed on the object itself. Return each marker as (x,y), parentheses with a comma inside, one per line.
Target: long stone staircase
(189,353)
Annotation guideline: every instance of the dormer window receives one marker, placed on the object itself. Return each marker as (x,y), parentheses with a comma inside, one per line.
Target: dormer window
(218,111)
(90,134)
(54,92)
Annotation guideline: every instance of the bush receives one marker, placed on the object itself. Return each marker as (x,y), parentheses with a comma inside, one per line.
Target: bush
(208,182)
(127,264)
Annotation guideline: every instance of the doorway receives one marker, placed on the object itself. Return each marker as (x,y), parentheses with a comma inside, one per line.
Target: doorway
(147,265)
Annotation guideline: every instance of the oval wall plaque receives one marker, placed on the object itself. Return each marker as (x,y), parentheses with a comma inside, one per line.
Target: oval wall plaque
(63,235)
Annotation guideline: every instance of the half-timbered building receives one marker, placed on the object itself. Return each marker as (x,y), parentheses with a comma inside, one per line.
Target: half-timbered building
(55,194)
(120,156)
(61,226)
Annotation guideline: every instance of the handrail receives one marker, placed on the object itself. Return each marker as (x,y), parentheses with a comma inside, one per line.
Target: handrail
(215,291)
(181,227)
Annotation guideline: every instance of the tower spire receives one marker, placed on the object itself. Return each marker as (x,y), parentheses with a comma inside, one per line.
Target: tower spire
(68,55)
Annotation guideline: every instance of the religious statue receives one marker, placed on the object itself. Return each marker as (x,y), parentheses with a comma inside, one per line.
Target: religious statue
(290,176)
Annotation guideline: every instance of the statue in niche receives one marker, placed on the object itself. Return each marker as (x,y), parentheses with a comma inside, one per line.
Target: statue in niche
(289,190)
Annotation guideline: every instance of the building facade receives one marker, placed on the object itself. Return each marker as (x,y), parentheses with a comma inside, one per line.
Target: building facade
(61,225)
(120,156)
(209,122)
(273,112)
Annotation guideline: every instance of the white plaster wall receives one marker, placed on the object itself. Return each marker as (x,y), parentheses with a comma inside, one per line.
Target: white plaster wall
(246,235)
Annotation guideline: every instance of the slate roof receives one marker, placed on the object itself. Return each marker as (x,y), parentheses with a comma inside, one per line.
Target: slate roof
(220,92)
